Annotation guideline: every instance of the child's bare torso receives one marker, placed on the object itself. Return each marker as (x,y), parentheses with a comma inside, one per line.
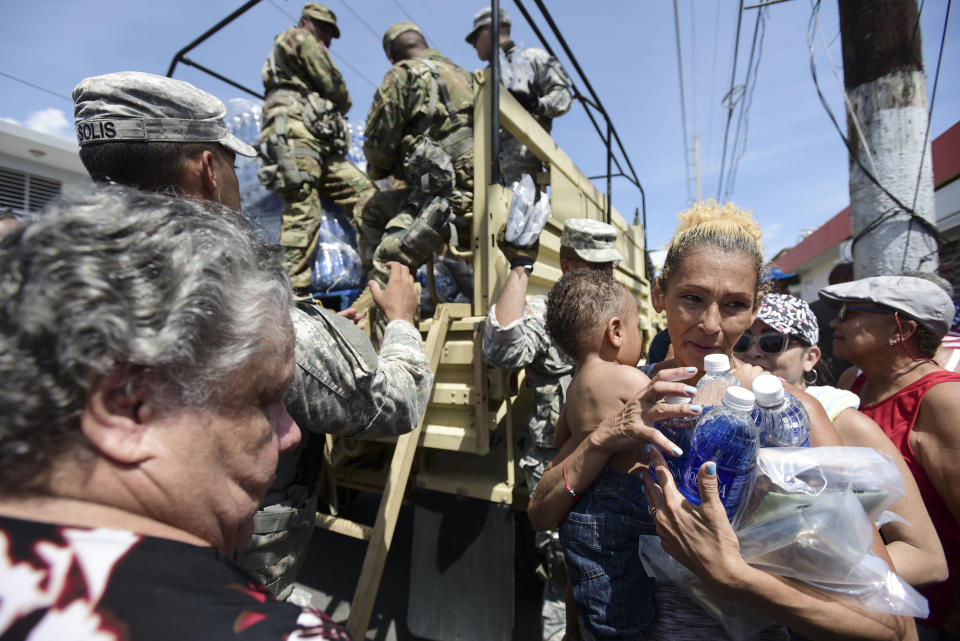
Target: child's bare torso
(598,391)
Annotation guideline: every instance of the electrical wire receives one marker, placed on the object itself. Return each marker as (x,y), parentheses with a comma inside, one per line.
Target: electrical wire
(750,84)
(708,148)
(843,90)
(411,19)
(728,99)
(360,18)
(933,96)
(926,134)
(38,87)
(890,213)
(683,108)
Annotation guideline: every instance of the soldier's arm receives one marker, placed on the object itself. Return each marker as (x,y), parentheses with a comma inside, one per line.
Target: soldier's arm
(341,387)
(385,124)
(321,73)
(552,84)
(517,343)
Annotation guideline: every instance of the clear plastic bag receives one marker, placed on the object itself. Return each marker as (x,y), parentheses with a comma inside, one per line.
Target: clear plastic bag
(521,208)
(536,219)
(808,518)
(515,74)
(789,477)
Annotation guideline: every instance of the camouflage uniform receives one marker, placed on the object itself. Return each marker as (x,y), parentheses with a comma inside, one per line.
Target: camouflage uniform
(526,343)
(412,134)
(340,387)
(551,87)
(303,141)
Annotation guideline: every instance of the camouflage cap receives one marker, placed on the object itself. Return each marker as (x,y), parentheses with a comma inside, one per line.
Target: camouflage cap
(133,105)
(592,240)
(395,30)
(482,19)
(317,11)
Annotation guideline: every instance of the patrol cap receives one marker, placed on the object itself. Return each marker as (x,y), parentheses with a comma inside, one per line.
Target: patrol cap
(319,12)
(918,298)
(592,240)
(482,19)
(395,30)
(133,105)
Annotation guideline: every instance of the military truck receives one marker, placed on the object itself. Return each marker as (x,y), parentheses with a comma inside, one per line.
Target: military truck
(465,445)
(464,448)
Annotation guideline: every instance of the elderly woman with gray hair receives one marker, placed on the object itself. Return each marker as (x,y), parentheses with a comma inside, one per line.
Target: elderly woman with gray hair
(145,344)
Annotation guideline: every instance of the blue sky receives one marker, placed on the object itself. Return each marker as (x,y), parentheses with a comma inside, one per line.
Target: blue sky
(793,170)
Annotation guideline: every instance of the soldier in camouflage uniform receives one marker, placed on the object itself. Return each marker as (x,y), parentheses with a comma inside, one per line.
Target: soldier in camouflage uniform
(304,137)
(546,94)
(419,130)
(515,335)
(341,386)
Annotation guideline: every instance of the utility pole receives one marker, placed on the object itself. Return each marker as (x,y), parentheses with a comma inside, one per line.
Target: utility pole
(886,84)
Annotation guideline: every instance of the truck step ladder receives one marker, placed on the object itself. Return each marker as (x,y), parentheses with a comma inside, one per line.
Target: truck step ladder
(380,536)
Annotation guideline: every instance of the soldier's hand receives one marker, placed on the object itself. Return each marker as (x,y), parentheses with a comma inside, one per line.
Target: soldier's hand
(353,315)
(527,99)
(399,299)
(517,256)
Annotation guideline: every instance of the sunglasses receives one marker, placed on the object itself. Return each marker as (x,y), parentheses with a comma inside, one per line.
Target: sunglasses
(770,343)
(844,309)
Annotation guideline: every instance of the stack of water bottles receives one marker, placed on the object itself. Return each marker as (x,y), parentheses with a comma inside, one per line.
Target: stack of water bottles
(801,512)
(336,263)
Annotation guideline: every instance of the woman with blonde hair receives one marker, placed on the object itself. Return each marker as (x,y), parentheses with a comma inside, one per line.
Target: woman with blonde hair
(709,288)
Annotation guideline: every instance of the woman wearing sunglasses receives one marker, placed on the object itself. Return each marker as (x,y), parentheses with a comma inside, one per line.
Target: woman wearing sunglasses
(890,328)
(709,289)
(783,341)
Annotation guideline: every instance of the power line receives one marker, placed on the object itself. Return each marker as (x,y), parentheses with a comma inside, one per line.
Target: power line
(38,87)
(729,98)
(933,97)
(360,18)
(683,108)
(411,19)
(926,135)
(750,84)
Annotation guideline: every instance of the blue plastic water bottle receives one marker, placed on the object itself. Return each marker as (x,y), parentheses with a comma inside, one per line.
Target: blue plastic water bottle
(680,431)
(727,436)
(715,381)
(779,416)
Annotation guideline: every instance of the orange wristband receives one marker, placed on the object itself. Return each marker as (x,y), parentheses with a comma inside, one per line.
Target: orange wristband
(563,466)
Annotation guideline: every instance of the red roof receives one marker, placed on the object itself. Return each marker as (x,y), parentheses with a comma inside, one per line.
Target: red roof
(946,167)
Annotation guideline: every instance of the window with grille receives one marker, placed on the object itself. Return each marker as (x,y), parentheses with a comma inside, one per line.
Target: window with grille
(26,192)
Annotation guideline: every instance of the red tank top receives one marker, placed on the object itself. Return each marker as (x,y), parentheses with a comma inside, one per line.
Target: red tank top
(896,415)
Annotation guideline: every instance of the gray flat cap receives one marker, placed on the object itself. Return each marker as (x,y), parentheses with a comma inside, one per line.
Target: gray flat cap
(917,298)
(592,240)
(133,105)
(482,19)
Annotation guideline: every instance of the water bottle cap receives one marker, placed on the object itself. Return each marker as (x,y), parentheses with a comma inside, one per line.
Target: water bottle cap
(768,390)
(676,400)
(716,363)
(739,398)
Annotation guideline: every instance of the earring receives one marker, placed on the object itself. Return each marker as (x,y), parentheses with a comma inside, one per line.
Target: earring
(810,377)
(893,341)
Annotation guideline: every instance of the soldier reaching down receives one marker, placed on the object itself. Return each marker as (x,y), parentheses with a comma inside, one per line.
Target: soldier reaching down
(305,138)
(420,130)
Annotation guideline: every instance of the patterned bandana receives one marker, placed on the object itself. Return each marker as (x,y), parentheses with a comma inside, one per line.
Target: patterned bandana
(790,315)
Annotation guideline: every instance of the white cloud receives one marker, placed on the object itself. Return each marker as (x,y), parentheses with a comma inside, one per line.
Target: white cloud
(51,121)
